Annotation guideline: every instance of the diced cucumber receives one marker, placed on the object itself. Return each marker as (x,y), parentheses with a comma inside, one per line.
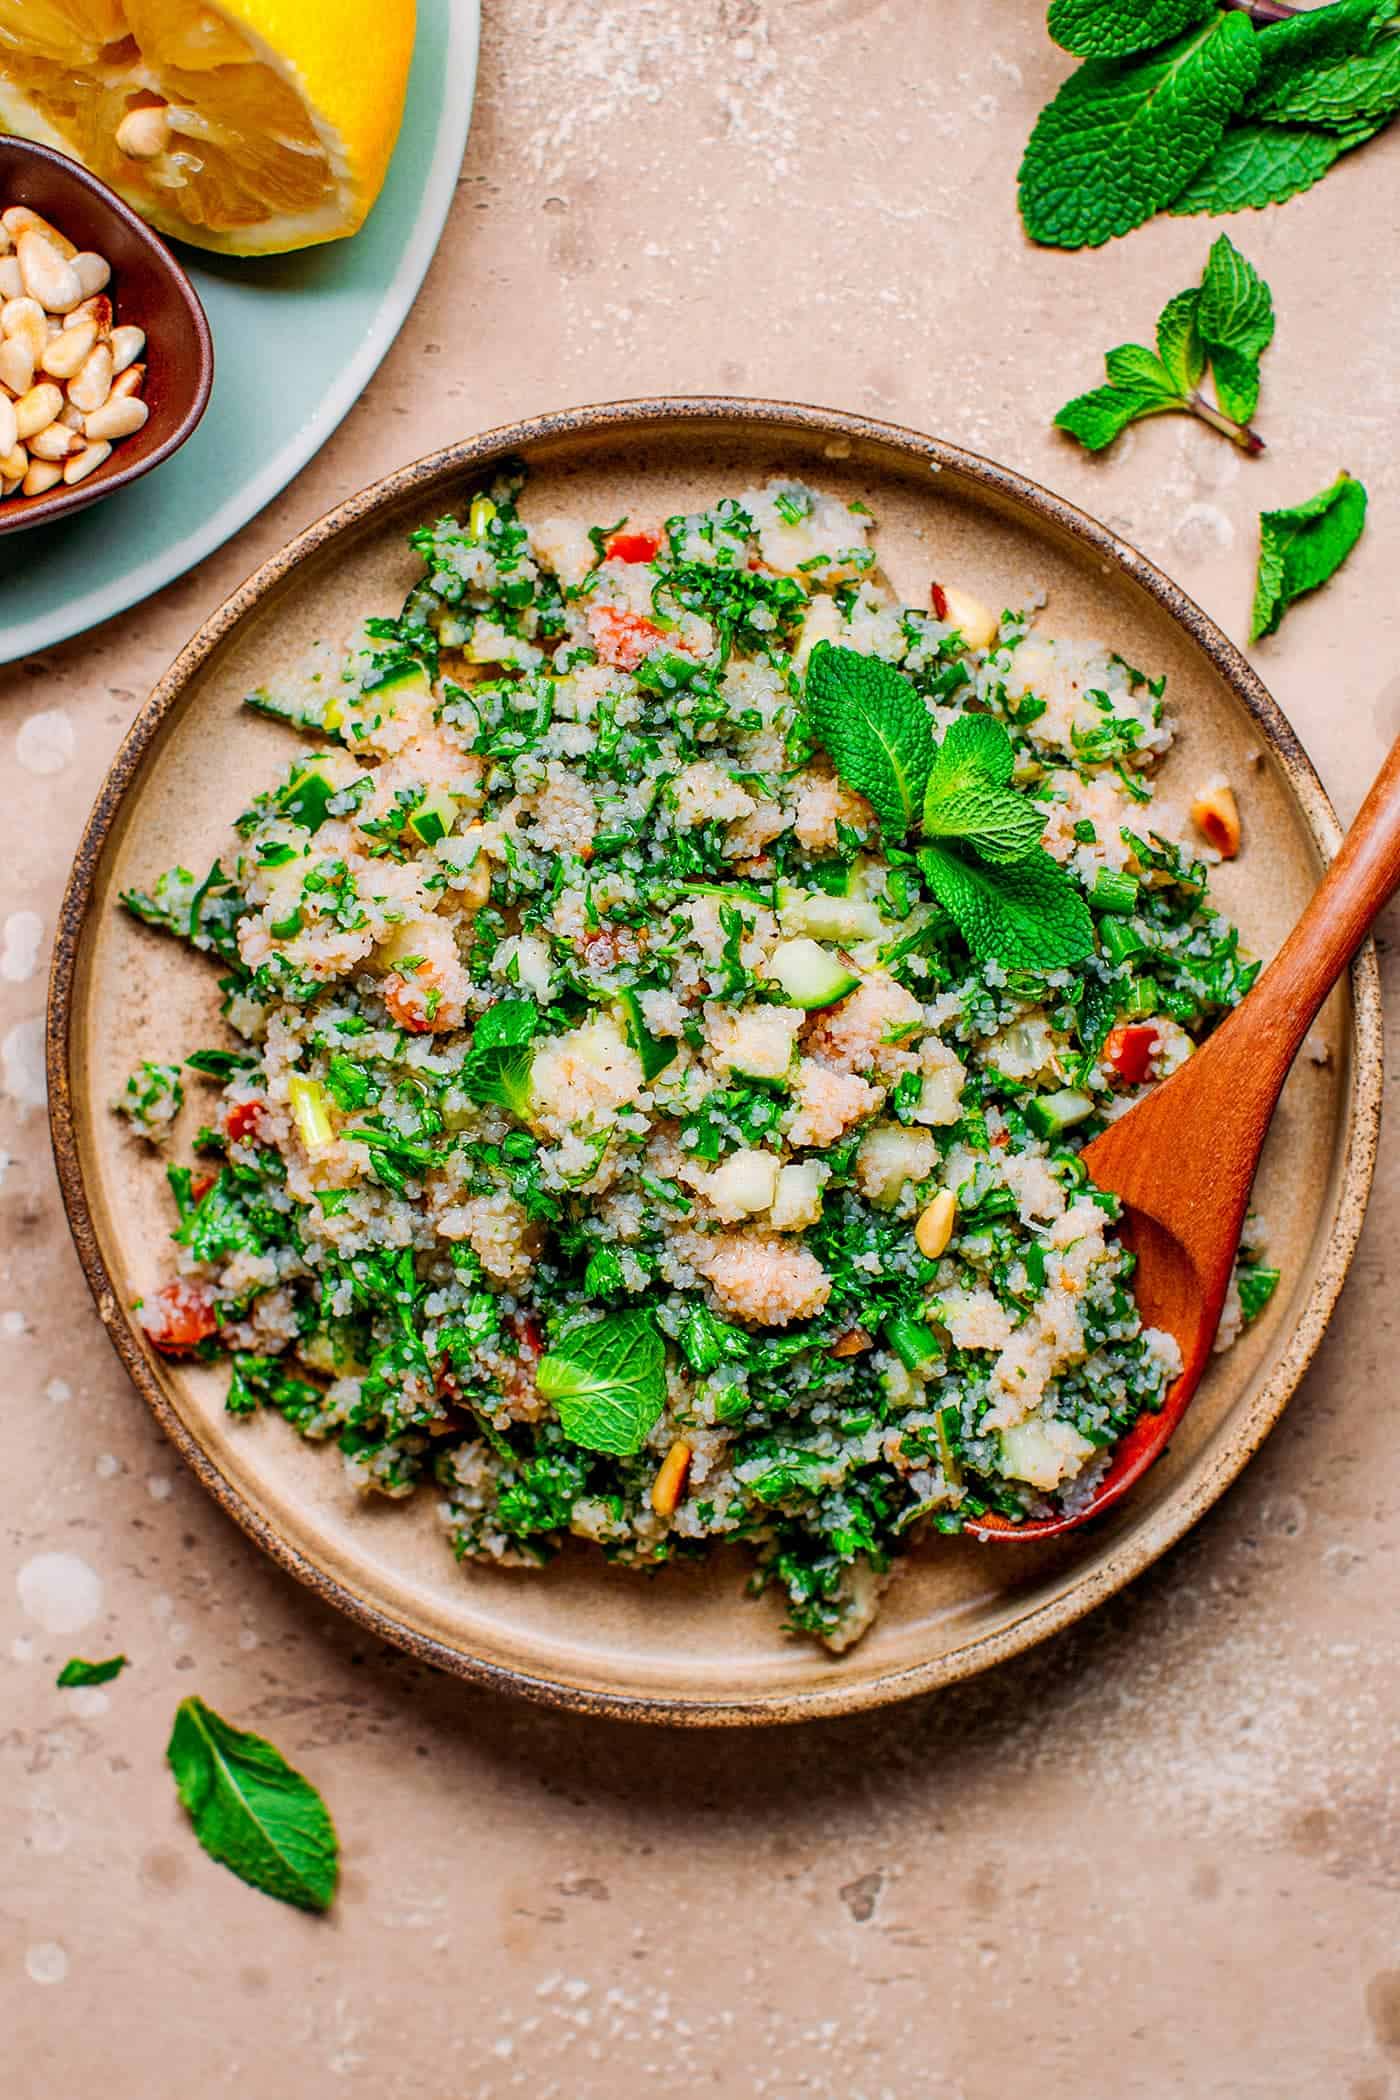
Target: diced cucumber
(826,918)
(434,817)
(398,681)
(307,795)
(322,713)
(810,975)
(1114,890)
(655,1051)
(1050,1115)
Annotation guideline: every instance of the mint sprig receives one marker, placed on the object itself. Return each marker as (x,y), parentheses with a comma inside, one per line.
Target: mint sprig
(984,864)
(496,1070)
(251,1810)
(1027,916)
(607,1381)
(1226,322)
(876,730)
(1201,105)
(1301,548)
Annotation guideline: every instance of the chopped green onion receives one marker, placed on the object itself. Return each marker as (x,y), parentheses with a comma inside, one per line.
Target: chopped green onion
(1113,890)
(912,1340)
(1119,940)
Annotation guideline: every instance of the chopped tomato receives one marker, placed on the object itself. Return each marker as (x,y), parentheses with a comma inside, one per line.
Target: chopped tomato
(200,1186)
(623,638)
(241,1122)
(410,1001)
(529,1340)
(632,546)
(180,1315)
(1129,1051)
(938,599)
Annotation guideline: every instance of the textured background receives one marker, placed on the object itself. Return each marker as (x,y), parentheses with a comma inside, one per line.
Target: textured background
(1160,1855)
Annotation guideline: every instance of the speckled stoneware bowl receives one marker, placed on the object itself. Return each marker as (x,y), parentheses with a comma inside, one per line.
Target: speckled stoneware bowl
(686,1644)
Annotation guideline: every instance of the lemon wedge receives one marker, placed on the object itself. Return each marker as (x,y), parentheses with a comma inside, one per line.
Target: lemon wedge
(250,127)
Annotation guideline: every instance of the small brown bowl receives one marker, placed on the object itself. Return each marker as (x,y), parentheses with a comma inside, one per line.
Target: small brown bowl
(148,288)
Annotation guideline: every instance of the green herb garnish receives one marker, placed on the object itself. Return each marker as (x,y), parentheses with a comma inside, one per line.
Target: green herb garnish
(1301,548)
(1201,105)
(497,1068)
(608,1382)
(76,1672)
(1227,322)
(251,1811)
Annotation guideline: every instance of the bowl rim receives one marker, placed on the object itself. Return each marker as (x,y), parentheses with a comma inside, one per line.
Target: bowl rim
(1139,1547)
(62,502)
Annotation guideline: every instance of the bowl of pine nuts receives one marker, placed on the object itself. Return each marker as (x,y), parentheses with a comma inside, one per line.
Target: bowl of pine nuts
(106,362)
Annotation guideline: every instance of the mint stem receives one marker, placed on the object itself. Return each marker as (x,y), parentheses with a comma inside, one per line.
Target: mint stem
(1239,434)
(1263,13)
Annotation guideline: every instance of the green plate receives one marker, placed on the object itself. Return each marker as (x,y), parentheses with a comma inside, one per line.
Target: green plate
(296,341)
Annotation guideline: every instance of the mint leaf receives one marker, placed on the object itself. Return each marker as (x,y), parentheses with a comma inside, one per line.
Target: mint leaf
(1096,418)
(77,1672)
(969,796)
(1235,377)
(975,749)
(1259,164)
(875,729)
(496,1070)
(1133,366)
(1236,307)
(1112,28)
(1302,547)
(1124,136)
(1027,917)
(1179,342)
(607,1381)
(1329,67)
(251,1811)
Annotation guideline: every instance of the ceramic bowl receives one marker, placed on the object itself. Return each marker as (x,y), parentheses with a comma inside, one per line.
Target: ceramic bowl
(148,288)
(686,1644)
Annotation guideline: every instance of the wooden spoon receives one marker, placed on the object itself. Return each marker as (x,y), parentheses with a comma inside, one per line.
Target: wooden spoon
(1184,1158)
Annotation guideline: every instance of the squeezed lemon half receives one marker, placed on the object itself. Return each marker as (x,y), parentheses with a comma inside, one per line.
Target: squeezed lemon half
(251,127)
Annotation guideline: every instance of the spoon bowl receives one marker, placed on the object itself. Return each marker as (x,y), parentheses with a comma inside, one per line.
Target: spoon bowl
(1183,1159)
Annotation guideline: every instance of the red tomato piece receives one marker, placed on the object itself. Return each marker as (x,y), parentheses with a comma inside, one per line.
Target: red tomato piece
(180,1315)
(200,1186)
(623,638)
(938,601)
(241,1122)
(1129,1050)
(632,546)
(408,1000)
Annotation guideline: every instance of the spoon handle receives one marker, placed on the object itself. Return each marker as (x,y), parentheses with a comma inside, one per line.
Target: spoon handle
(1284,1003)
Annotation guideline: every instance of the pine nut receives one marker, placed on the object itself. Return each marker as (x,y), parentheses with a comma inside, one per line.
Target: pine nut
(9,429)
(35,410)
(8,488)
(47,277)
(73,418)
(143,133)
(25,318)
(93,272)
(64,354)
(14,464)
(56,442)
(127,345)
(669,1484)
(935,1226)
(98,308)
(20,219)
(78,469)
(6,239)
(41,476)
(11,282)
(129,384)
(16,365)
(1216,815)
(94,382)
(116,418)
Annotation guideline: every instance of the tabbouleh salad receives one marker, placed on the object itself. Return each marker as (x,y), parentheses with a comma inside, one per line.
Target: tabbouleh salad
(671,987)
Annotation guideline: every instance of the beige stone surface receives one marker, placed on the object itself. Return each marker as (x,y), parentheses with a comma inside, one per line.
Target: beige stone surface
(1159,1856)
